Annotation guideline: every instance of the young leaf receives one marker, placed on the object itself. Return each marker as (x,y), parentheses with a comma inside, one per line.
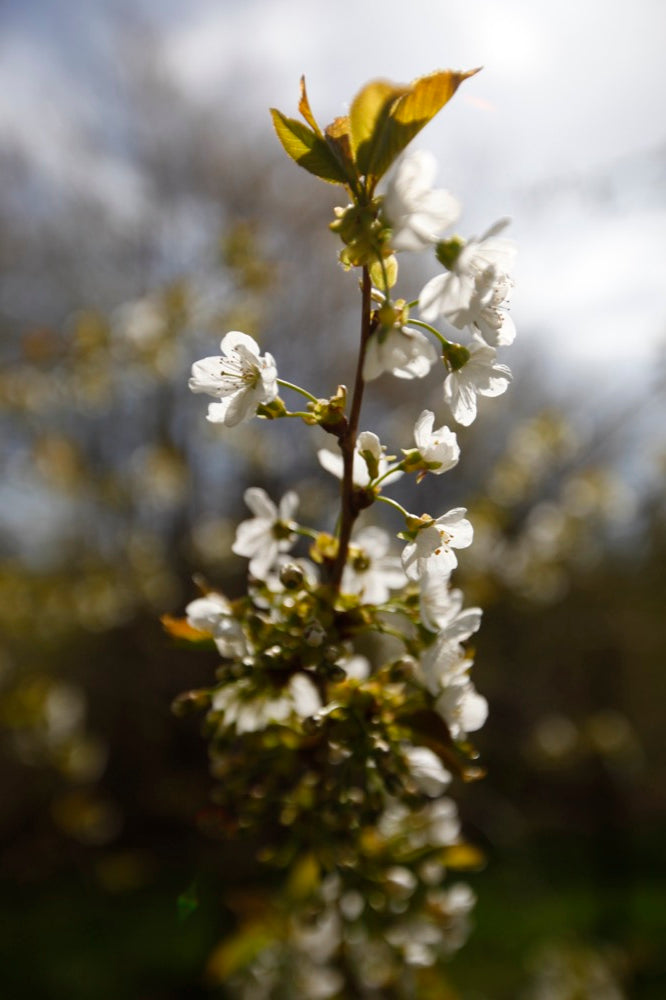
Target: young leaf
(368,116)
(180,628)
(338,137)
(306,110)
(236,951)
(303,878)
(411,112)
(309,150)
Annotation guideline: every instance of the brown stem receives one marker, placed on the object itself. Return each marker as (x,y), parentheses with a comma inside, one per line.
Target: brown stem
(349,510)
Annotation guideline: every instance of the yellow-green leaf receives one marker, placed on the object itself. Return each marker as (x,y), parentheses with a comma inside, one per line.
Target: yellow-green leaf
(306,110)
(464,857)
(368,115)
(304,877)
(309,150)
(236,952)
(411,112)
(338,137)
(180,628)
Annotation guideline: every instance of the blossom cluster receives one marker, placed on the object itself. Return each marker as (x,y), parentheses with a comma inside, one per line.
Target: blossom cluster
(321,752)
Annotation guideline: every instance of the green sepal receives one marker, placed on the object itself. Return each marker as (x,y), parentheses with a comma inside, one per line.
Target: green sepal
(372,463)
(456,356)
(448,251)
(272,410)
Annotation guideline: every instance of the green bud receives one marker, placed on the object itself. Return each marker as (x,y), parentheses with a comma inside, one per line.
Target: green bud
(448,251)
(361,231)
(330,413)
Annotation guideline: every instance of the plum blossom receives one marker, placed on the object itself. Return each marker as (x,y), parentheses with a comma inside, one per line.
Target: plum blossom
(439,448)
(445,661)
(370,571)
(481,375)
(436,825)
(476,269)
(242,379)
(441,608)
(416,212)
(357,667)
(366,442)
(463,709)
(427,770)
(268,533)
(493,320)
(249,711)
(432,549)
(401,350)
(213,614)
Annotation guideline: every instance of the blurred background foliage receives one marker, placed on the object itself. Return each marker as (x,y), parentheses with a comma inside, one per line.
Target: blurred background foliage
(115,492)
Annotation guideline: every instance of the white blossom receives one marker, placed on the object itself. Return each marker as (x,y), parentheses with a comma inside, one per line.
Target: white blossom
(370,571)
(463,709)
(416,212)
(461,293)
(427,770)
(481,375)
(268,533)
(493,320)
(432,549)
(401,350)
(357,667)
(213,614)
(439,448)
(248,711)
(242,379)
(441,608)
(437,824)
(332,461)
(445,661)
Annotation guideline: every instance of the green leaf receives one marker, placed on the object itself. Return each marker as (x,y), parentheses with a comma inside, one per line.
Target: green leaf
(309,150)
(368,118)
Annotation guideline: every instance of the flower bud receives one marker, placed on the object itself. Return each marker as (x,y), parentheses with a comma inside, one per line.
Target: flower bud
(292,576)
(314,633)
(190,701)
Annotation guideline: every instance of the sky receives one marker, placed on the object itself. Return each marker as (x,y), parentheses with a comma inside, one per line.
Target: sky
(564,129)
